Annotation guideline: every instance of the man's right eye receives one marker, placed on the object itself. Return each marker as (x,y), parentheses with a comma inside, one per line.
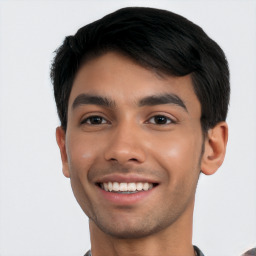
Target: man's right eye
(94,120)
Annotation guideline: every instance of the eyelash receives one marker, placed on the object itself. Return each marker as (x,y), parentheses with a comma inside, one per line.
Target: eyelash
(152,120)
(85,121)
(167,120)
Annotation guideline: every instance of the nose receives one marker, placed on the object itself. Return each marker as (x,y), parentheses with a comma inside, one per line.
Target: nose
(125,146)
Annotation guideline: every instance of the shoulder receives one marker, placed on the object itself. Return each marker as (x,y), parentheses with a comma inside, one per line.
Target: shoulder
(198,251)
(251,252)
(88,253)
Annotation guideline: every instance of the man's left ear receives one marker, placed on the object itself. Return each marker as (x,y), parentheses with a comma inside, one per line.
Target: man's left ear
(215,148)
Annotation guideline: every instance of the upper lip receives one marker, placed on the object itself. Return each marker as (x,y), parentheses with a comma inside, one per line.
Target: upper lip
(126,178)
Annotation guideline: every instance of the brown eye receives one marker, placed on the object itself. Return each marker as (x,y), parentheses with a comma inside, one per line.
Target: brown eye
(160,120)
(94,120)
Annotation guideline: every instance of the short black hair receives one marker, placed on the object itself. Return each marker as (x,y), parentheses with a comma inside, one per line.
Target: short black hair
(156,39)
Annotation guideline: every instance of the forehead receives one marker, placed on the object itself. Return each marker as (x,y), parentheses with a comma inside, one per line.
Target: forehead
(119,78)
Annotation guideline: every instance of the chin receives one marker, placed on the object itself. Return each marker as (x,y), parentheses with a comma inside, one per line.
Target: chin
(130,229)
(128,233)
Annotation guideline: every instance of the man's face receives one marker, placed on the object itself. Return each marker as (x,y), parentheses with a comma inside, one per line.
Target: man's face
(131,129)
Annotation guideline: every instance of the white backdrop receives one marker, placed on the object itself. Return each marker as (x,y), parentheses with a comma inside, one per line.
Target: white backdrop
(38,213)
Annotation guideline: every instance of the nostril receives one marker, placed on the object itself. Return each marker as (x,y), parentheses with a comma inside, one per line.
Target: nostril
(131,159)
(124,155)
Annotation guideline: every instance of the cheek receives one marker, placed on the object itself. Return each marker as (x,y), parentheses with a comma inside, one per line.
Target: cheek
(172,151)
(81,156)
(87,155)
(179,155)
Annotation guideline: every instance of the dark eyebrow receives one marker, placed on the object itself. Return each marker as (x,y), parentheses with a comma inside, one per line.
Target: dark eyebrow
(162,99)
(87,99)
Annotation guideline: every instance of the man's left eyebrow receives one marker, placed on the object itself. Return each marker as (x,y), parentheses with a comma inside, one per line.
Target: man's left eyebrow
(162,99)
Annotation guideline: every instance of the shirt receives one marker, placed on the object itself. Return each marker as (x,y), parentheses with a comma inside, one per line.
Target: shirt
(251,252)
(197,250)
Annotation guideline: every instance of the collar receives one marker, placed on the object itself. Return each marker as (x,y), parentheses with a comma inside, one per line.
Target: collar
(197,252)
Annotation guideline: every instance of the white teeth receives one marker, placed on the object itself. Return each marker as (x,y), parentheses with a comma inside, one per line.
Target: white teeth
(105,185)
(131,186)
(145,186)
(123,187)
(139,186)
(115,186)
(110,186)
(126,187)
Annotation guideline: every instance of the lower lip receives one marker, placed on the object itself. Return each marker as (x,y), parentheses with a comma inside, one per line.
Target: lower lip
(125,199)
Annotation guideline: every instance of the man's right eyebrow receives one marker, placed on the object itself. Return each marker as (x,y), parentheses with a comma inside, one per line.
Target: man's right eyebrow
(88,99)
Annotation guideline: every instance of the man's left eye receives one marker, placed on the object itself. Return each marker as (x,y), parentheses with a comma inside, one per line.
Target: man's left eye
(160,120)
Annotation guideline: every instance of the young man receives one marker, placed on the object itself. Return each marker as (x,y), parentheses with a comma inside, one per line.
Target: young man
(142,95)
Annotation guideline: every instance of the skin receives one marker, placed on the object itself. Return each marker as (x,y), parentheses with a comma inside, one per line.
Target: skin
(134,140)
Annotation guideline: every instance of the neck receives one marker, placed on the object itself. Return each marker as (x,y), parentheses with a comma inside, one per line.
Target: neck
(173,240)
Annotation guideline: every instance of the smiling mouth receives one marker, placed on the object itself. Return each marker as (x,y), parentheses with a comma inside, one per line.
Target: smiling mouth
(126,188)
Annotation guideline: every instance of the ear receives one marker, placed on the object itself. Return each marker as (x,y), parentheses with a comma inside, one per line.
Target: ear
(215,148)
(60,137)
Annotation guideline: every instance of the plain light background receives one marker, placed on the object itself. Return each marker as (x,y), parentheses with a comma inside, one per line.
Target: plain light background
(38,214)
